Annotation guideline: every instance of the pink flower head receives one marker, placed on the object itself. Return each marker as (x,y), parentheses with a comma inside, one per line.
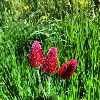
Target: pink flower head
(36,56)
(67,69)
(50,63)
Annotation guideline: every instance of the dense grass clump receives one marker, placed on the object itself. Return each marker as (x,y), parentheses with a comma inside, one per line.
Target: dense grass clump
(72,27)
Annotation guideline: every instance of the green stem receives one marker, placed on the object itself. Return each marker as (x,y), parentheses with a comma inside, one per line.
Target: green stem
(48,84)
(40,82)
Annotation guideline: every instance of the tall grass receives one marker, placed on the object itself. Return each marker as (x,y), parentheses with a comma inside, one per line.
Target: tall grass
(72,29)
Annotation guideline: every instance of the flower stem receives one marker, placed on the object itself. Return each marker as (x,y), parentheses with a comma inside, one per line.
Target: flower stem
(48,84)
(40,82)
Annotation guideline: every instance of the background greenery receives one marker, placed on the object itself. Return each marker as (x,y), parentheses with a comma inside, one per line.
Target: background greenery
(72,27)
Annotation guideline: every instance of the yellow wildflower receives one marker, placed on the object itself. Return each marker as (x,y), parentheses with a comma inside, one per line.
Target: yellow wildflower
(68,4)
(81,2)
(43,17)
(48,14)
(26,7)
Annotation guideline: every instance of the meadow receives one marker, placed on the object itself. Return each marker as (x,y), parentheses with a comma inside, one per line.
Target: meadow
(71,27)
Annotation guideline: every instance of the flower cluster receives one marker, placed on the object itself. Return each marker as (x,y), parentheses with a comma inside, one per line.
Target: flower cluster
(36,56)
(67,69)
(49,63)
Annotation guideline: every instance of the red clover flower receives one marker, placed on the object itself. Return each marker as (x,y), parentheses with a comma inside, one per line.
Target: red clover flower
(50,63)
(67,69)
(36,56)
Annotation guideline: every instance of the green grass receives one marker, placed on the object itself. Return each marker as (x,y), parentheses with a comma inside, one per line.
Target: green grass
(74,35)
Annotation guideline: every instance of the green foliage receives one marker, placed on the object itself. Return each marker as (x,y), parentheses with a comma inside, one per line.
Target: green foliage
(71,28)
